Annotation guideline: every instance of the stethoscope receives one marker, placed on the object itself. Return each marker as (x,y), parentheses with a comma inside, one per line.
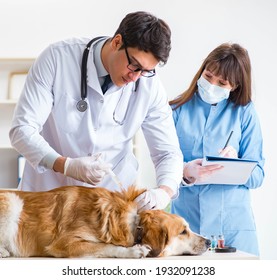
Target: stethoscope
(82,104)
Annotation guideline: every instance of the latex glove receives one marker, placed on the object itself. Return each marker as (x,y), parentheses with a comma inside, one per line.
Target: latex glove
(90,170)
(152,199)
(194,171)
(228,152)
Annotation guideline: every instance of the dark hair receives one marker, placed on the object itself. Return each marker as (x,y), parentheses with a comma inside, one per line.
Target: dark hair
(231,61)
(146,32)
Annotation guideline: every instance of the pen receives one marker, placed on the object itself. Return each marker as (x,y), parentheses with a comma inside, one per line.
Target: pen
(228,140)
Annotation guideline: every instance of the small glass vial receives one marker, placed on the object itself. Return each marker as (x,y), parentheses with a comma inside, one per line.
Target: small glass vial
(213,242)
(220,241)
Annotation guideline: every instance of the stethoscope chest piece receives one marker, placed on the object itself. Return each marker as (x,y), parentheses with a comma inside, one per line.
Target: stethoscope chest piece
(82,105)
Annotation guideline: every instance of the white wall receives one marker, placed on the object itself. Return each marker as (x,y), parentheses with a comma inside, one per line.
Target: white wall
(28,26)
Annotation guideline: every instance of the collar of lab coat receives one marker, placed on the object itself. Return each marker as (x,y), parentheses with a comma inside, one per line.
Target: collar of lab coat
(101,71)
(95,67)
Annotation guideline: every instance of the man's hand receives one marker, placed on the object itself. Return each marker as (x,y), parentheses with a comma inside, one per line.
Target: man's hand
(153,199)
(90,170)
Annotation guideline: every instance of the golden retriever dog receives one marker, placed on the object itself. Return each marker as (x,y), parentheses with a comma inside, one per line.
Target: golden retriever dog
(74,221)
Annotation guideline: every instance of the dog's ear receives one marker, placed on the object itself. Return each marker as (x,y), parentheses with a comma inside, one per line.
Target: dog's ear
(154,233)
(158,243)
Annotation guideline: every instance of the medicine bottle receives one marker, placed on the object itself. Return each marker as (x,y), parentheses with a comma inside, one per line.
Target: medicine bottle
(213,242)
(220,241)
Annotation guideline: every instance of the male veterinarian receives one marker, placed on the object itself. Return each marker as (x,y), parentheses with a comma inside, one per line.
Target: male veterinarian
(72,130)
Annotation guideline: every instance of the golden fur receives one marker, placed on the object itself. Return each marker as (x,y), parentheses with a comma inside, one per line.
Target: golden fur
(74,221)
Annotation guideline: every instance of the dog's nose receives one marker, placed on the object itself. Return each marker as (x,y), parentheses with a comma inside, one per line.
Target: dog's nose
(208,242)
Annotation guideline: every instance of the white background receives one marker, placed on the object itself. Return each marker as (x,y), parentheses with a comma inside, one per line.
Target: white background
(198,26)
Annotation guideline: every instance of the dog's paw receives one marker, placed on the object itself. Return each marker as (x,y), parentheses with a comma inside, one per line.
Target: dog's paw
(139,251)
(4,253)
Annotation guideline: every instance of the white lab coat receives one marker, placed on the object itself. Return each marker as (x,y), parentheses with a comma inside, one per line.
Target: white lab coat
(46,120)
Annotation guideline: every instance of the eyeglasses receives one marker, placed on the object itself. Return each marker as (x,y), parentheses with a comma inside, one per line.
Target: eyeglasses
(134,68)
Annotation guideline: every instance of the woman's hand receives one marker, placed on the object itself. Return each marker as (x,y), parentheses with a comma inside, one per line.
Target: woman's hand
(228,152)
(194,171)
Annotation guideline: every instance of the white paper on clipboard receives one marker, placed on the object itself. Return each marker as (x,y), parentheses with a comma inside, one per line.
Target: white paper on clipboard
(235,172)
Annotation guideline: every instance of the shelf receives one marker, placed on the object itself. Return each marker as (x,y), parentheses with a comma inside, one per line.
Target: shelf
(8,102)
(20,63)
(4,147)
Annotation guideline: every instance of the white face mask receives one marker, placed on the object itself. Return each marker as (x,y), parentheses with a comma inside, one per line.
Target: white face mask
(211,94)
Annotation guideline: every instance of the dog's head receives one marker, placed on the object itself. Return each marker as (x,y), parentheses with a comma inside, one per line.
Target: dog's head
(169,235)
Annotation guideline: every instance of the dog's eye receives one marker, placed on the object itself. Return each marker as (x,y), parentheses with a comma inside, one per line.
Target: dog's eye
(184,231)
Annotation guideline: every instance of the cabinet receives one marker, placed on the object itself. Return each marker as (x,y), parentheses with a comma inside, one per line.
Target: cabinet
(12,74)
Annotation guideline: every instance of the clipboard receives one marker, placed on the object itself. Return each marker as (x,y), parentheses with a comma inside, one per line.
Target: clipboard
(235,172)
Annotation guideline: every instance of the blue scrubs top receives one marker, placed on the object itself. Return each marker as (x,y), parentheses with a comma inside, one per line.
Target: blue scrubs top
(220,209)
